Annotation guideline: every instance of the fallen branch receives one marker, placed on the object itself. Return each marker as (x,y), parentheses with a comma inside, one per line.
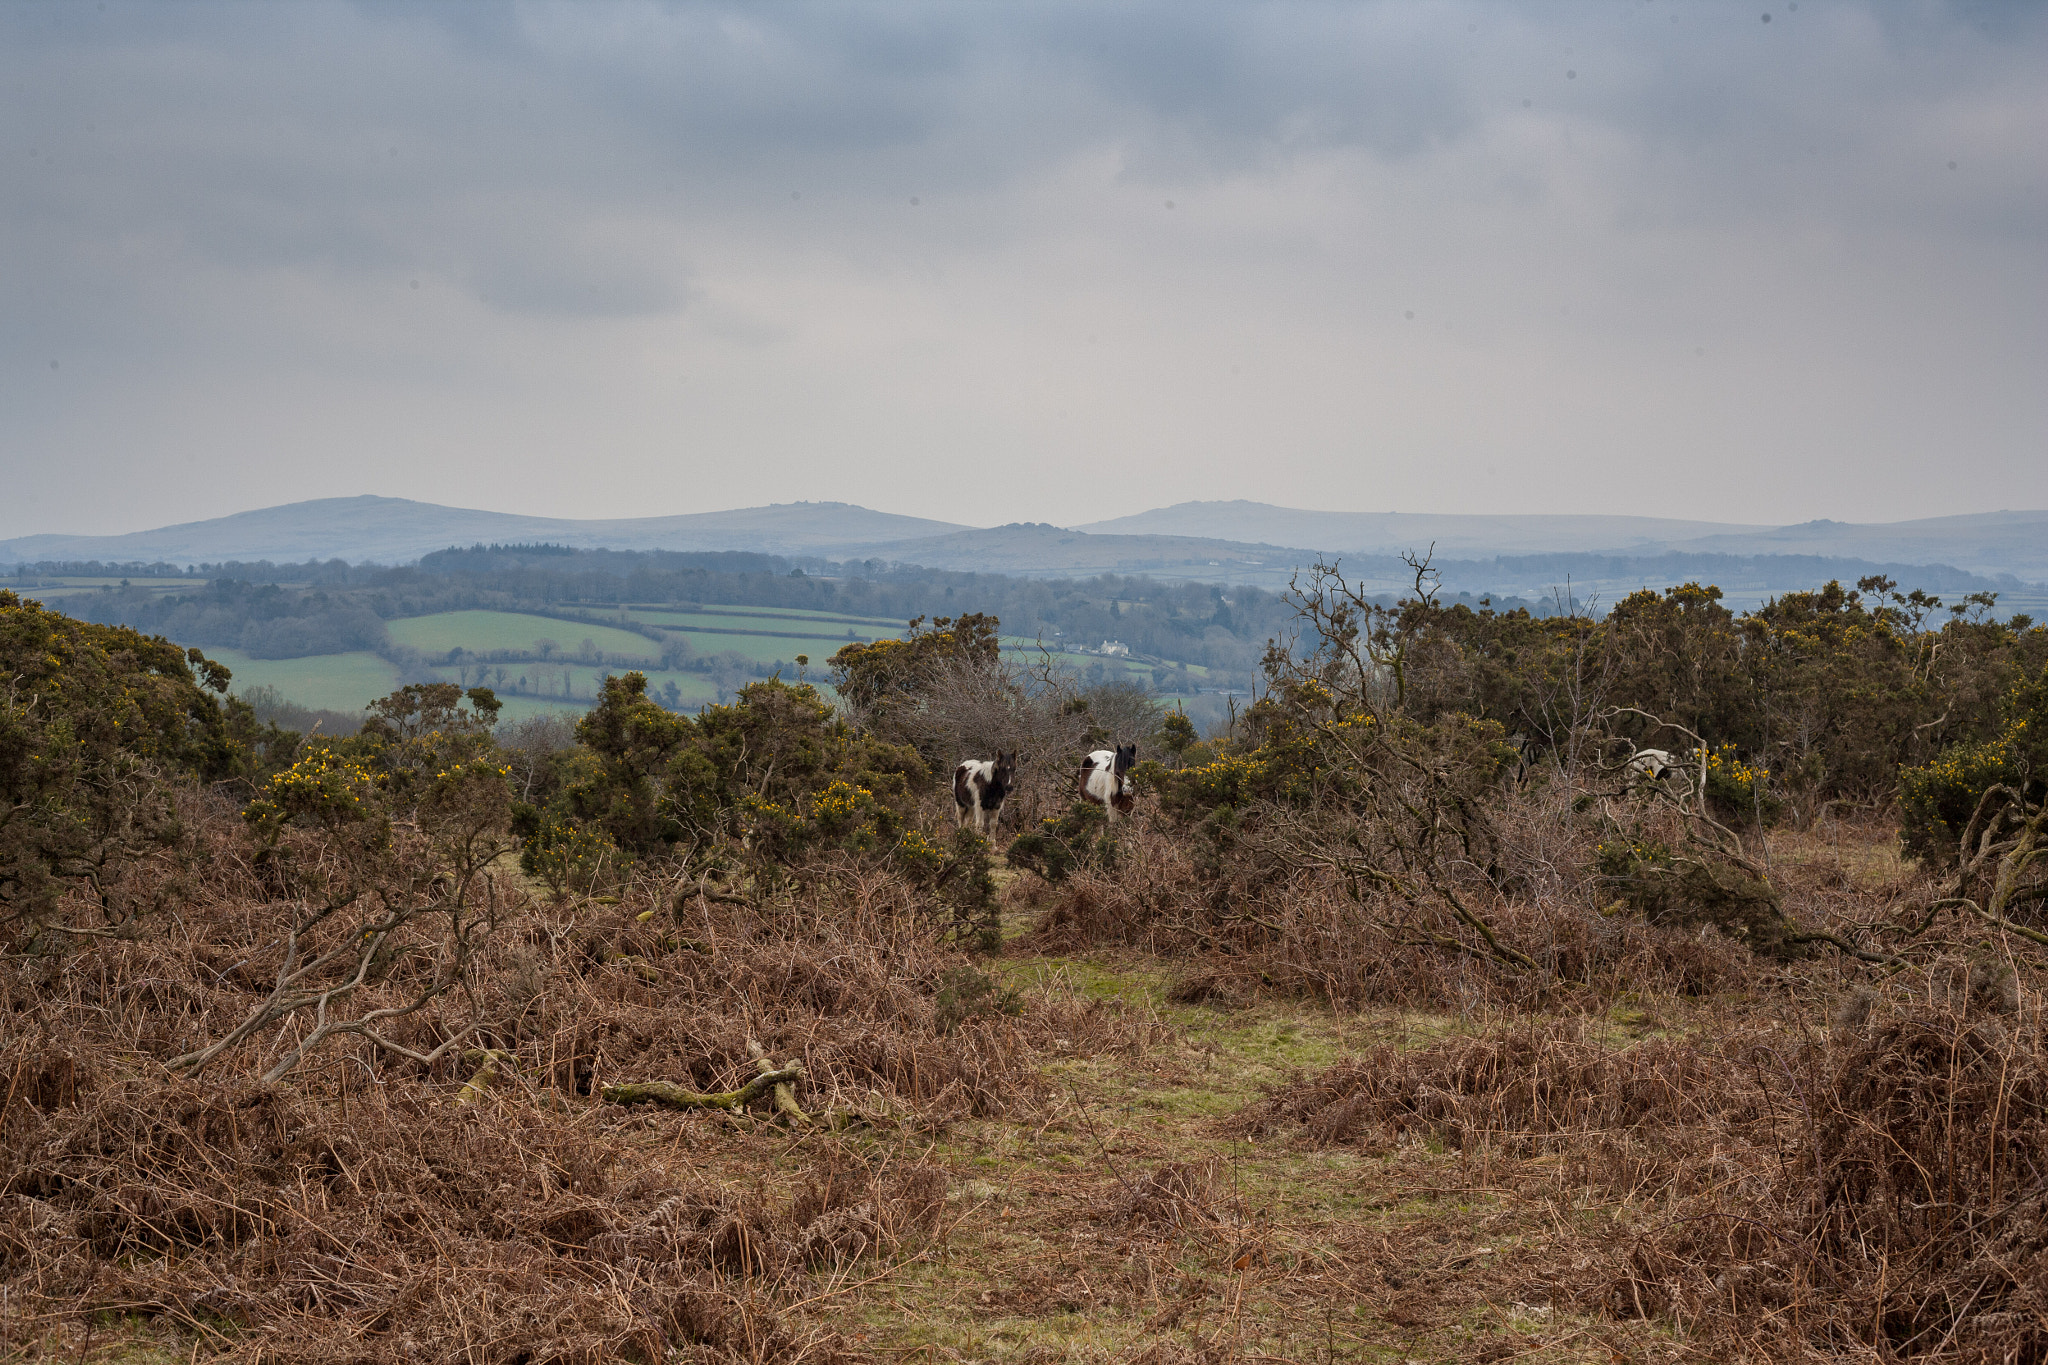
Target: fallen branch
(1842,946)
(1514,957)
(785,1092)
(2032,935)
(673,1096)
(487,1061)
(710,893)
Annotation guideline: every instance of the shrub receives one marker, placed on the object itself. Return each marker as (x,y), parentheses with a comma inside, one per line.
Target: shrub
(563,854)
(97,725)
(1740,790)
(1691,889)
(966,993)
(1937,799)
(1077,838)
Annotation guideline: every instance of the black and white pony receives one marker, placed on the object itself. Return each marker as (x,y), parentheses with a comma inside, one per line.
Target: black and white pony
(1104,780)
(979,786)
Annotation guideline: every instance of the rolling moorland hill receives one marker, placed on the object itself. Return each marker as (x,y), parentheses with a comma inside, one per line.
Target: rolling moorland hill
(1037,549)
(2005,542)
(399,530)
(1592,580)
(1595,558)
(1187,535)
(1389,533)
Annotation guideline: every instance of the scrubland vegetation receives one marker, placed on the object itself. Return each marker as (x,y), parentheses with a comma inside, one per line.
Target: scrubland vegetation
(1402,1021)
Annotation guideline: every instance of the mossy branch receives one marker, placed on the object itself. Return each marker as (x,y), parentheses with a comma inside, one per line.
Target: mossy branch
(1843,946)
(673,1096)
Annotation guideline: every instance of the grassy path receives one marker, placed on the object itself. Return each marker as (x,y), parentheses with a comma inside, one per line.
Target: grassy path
(1123,1217)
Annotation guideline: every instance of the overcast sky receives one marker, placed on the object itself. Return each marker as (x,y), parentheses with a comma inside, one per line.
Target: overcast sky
(1757,262)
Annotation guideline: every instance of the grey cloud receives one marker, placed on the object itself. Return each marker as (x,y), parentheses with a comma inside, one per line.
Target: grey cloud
(234,200)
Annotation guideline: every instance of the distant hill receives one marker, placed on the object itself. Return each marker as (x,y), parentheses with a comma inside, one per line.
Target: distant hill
(1224,542)
(1037,549)
(1987,543)
(398,530)
(1393,532)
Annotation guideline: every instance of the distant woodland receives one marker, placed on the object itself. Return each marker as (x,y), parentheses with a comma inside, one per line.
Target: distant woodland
(276,611)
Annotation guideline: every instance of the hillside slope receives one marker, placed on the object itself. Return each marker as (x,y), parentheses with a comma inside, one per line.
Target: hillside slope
(1986,542)
(1218,541)
(397,530)
(1393,532)
(1037,549)
(2008,542)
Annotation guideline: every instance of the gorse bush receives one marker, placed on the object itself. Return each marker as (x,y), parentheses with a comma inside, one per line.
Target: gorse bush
(98,725)
(1078,837)
(1937,799)
(325,788)
(1827,693)
(1739,790)
(564,855)
(653,782)
(966,994)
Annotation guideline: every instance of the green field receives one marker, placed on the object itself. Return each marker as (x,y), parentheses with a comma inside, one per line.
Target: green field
(545,682)
(776,641)
(482,632)
(782,635)
(325,682)
(349,682)
(54,592)
(525,708)
(768,650)
(710,613)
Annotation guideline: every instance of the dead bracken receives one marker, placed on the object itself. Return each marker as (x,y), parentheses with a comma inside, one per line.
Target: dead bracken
(1374,1031)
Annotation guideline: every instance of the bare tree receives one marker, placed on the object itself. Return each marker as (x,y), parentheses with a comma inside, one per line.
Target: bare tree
(1388,807)
(332,948)
(387,883)
(973,709)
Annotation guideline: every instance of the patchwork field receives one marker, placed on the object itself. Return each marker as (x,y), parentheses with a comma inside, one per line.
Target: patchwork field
(328,682)
(50,591)
(483,632)
(517,709)
(767,649)
(712,613)
(763,637)
(546,683)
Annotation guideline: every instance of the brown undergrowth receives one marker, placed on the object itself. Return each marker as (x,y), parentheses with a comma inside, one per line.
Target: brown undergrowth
(1143,1134)
(1248,924)
(488,1207)
(1873,1190)
(269,1222)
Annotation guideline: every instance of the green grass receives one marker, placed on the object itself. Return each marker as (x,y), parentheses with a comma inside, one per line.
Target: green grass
(1035,1267)
(766,649)
(693,689)
(331,682)
(525,708)
(482,632)
(715,613)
